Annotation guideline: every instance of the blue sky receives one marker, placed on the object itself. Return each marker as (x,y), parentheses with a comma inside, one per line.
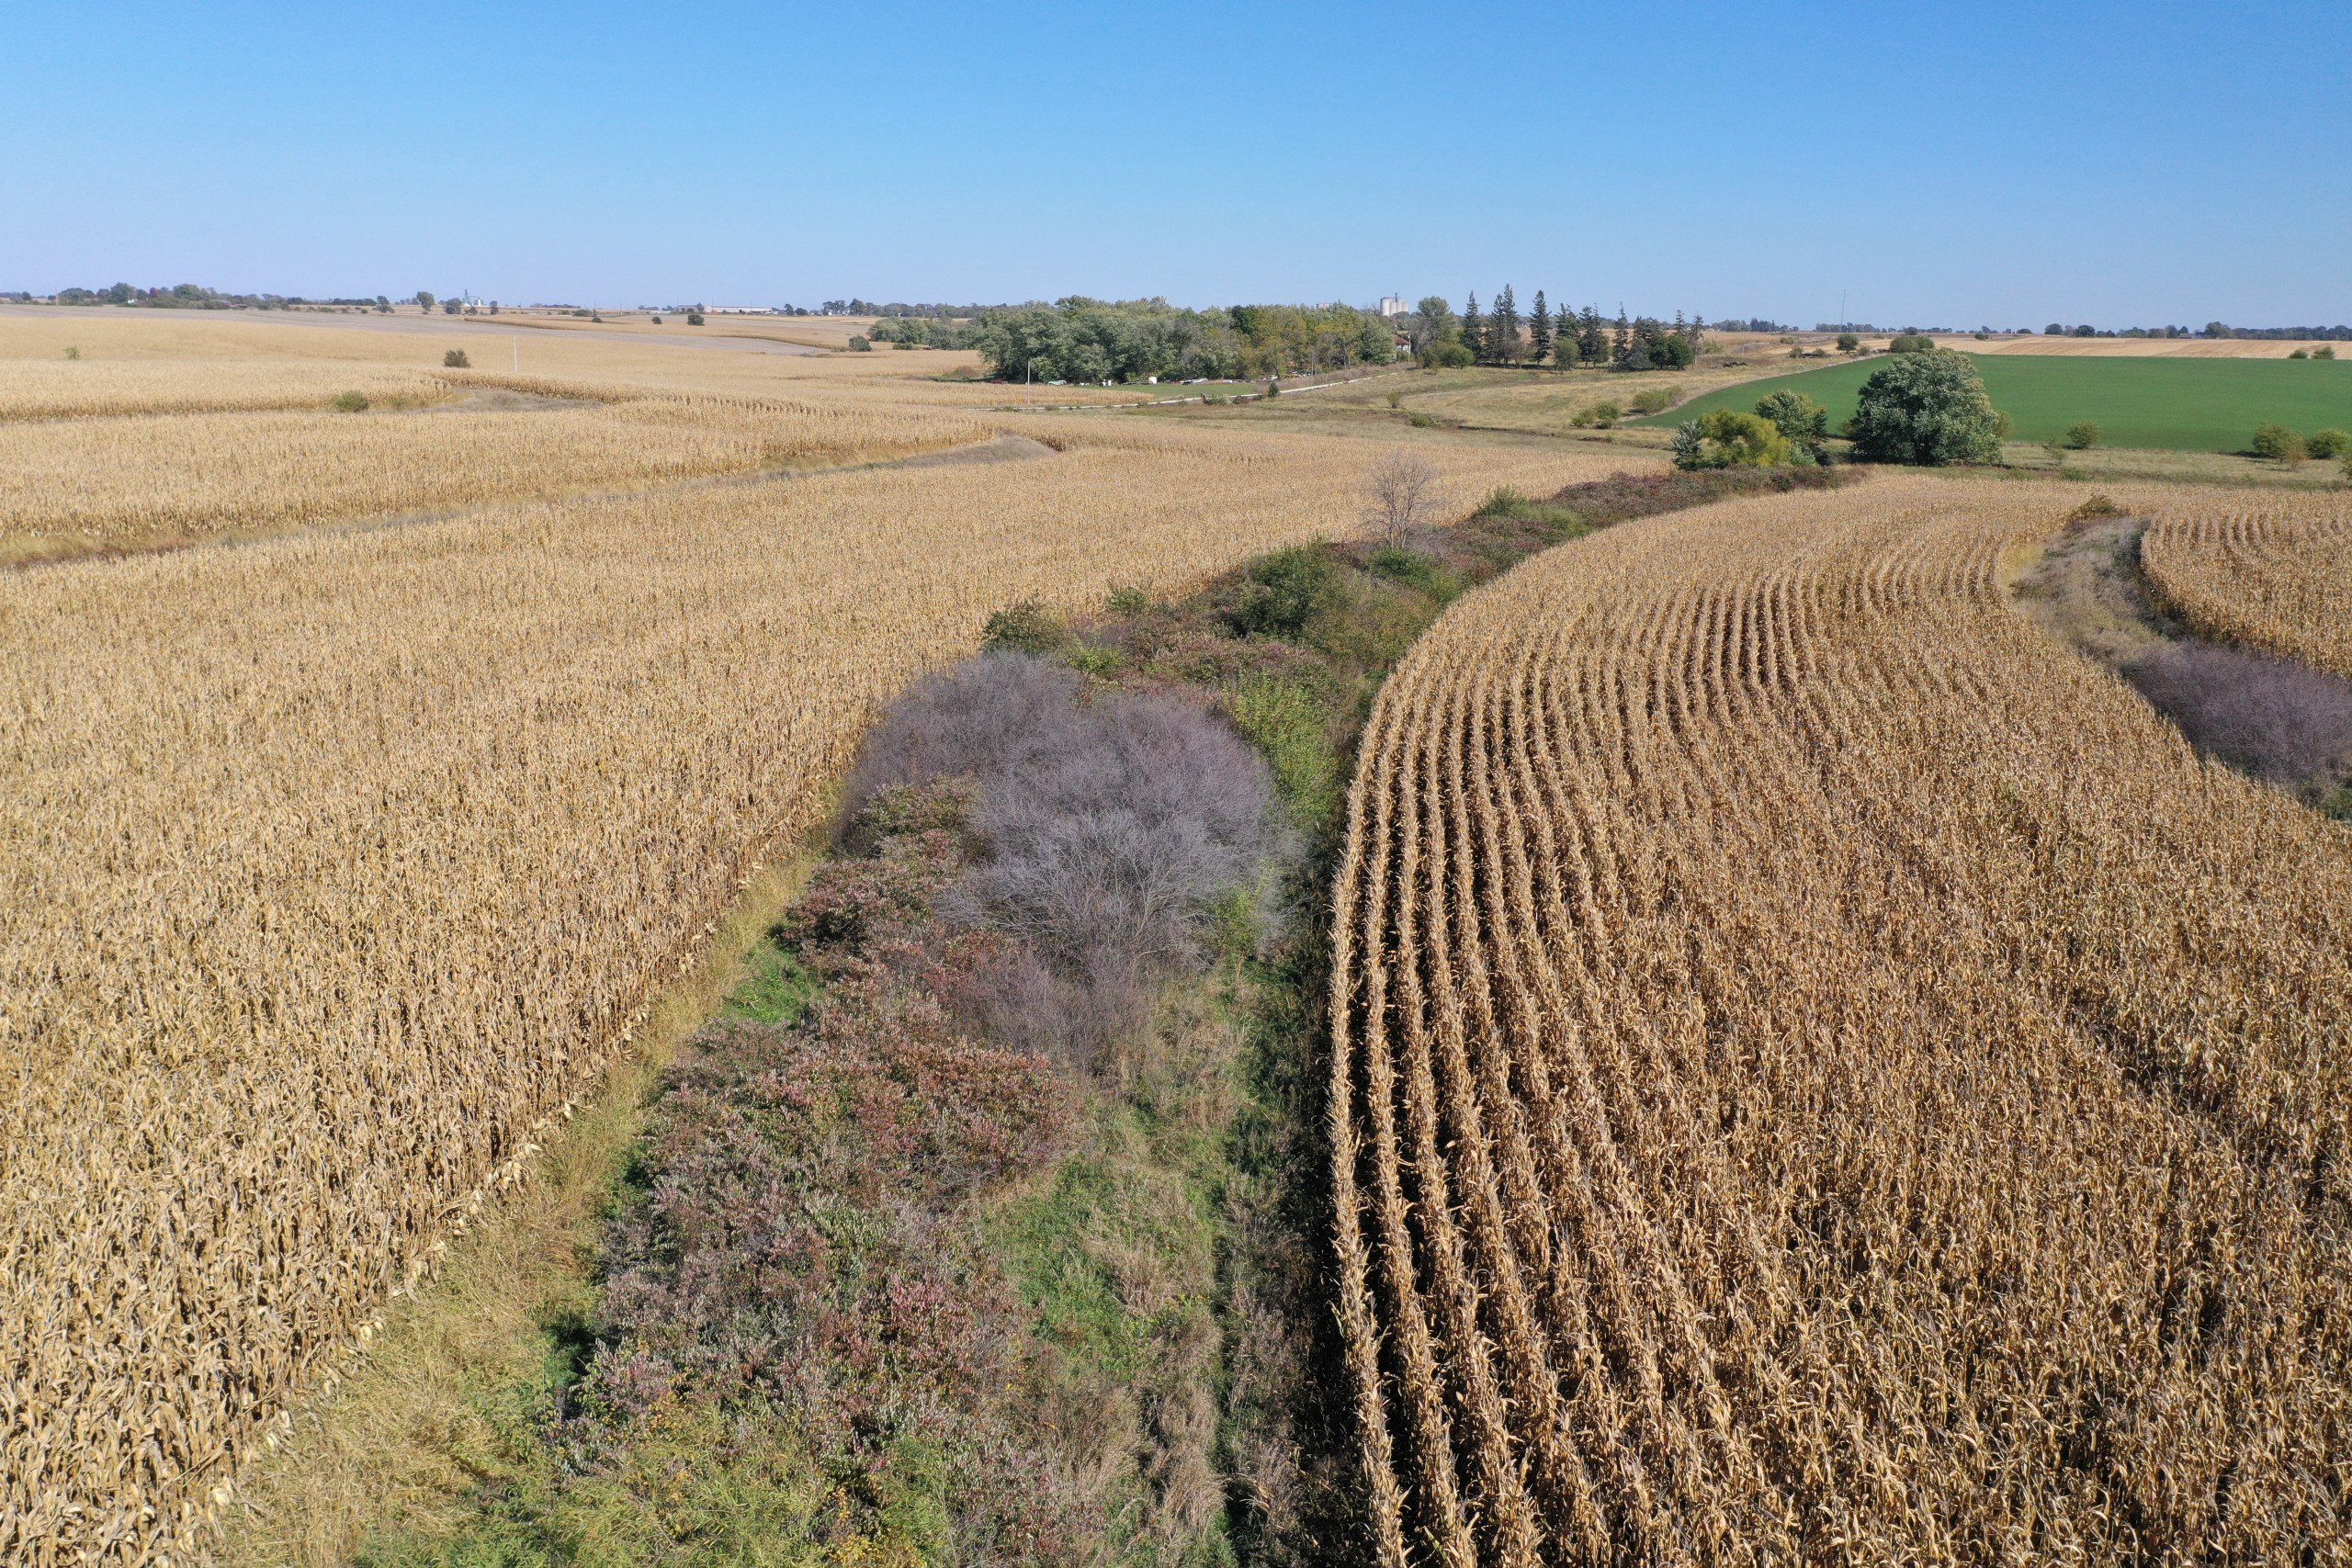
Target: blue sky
(1992,164)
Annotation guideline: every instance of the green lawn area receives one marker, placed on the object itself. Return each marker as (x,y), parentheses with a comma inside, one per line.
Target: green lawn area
(2181,405)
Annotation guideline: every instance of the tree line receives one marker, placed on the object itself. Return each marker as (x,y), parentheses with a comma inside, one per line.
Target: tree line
(1501,335)
(1091,341)
(190,297)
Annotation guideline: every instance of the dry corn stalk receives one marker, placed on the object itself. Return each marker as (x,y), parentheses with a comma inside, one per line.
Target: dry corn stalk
(1824,1074)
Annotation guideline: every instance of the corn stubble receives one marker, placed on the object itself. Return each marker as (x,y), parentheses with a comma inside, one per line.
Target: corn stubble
(332,867)
(1822,1073)
(2274,574)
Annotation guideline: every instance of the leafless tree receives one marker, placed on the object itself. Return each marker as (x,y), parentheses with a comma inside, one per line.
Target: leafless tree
(1400,495)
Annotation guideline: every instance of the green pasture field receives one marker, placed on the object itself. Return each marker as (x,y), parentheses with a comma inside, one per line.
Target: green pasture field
(2179,405)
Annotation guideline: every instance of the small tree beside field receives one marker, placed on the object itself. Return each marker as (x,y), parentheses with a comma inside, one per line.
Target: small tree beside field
(2279,444)
(1400,495)
(1728,438)
(1804,422)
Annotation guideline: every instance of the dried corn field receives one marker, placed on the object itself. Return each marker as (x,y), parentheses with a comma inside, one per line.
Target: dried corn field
(2274,574)
(1823,1072)
(164,475)
(179,349)
(71,390)
(331,867)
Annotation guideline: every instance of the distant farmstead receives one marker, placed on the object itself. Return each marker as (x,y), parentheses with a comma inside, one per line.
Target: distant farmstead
(745,311)
(1391,304)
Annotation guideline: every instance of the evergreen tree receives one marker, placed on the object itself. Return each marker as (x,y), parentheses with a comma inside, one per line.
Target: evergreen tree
(1504,328)
(1539,330)
(1593,343)
(1693,335)
(1620,341)
(1474,328)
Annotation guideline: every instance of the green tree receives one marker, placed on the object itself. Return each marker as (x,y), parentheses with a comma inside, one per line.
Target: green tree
(1928,408)
(1728,438)
(1539,331)
(2279,444)
(425,301)
(1286,589)
(1432,322)
(1910,342)
(1028,625)
(2328,443)
(1797,417)
(1620,342)
(1502,333)
(1474,330)
(1692,336)
(1592,340)
(2084,434)
(1847,343)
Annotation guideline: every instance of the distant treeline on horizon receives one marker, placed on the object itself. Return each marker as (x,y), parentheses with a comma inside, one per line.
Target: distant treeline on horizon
(195,297)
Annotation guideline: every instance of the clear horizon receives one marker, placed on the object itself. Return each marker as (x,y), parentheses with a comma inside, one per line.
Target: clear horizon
(2121,165)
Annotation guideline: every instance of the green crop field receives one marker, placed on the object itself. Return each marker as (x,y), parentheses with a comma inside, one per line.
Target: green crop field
(2184,405)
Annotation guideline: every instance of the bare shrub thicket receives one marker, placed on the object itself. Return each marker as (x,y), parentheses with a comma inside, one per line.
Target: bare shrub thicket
(2273,717)
(1109,830)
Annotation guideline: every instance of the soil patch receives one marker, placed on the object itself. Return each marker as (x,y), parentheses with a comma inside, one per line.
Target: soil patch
(1003,449)
(502,400)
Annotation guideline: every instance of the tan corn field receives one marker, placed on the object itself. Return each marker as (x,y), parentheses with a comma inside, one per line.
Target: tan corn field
(1824,1074)
(122,479)
(2275,574)
(333,866)
(68,389)
(611,362)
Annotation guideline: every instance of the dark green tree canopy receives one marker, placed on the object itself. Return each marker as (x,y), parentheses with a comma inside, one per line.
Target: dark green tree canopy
(1083,340)
(1928,408)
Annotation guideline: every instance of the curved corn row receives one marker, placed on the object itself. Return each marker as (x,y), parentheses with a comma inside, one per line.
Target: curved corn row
(1822,1073)
(2275,574)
